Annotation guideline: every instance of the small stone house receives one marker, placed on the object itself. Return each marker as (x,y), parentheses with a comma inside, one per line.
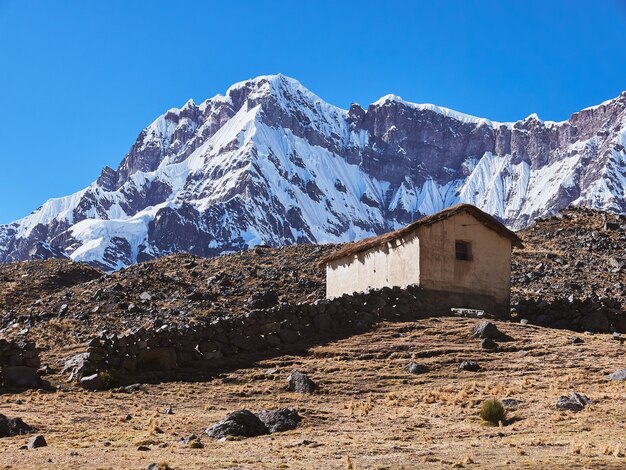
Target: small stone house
(460,257)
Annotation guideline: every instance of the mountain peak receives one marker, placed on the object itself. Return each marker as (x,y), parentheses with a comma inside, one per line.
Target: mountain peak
(265,85)
(272,163)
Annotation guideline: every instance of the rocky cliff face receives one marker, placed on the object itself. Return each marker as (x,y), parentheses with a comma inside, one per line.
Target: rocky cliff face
(271,163)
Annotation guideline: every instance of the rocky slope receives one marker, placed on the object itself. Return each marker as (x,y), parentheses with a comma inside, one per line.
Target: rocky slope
(175,289)
(271,163)
(570,274)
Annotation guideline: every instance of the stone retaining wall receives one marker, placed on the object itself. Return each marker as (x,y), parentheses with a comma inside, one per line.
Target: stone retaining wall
(166,348)
(599,315)
(18,353)
(19,361)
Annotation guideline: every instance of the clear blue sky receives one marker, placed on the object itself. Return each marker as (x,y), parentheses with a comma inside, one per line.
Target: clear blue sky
(79,79)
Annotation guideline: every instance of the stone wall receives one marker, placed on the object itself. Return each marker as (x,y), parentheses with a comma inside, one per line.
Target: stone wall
(165,348)
(18,353)
(19,361)
(598,315)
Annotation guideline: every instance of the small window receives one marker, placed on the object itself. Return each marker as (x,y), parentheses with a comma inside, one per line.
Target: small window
(463,250)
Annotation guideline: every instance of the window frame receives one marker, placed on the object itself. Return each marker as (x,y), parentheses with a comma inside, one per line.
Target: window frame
(466,253)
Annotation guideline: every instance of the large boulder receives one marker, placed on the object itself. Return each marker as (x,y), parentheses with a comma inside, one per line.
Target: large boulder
(489,330)
(300,382)
(238,423)
(280,420)
(78,366)
(13,427)
(93,382)
(21,377)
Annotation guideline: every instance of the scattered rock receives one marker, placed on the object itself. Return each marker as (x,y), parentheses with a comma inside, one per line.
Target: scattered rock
(143,448)
(280,420)
(93,382)
(488,343)
(414,368)
(510,402)
(127,389)
(575,340)
(300,382)
(262,299)
(239,423)
(13,427)
(45,370)
(306,442)
(145,296)
(37,441)
(187,439)
(470,366)
(489,330)
(169,411)
(618,375)
(573,402)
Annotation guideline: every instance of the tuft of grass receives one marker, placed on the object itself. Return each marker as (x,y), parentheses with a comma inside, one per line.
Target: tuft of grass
(492,411)
(106,378)
(196,444)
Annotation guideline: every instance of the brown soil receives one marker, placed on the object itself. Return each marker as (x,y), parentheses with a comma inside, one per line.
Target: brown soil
(369,414)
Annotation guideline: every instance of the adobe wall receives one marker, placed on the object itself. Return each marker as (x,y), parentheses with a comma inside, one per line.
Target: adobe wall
(395,264)
(489,270)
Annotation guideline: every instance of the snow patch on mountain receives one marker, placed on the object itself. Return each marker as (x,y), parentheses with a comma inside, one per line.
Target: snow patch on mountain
(270,162)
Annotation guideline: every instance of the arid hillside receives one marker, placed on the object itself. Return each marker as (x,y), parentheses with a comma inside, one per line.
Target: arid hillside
(369,412)
(571,273)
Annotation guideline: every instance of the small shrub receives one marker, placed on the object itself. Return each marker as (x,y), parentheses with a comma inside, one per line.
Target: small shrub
(195,444)
(492,411)
(105,376)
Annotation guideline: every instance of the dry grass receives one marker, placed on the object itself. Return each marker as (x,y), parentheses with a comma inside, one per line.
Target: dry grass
(369,414)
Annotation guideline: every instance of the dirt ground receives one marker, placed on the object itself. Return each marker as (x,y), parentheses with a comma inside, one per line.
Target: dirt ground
(369,413)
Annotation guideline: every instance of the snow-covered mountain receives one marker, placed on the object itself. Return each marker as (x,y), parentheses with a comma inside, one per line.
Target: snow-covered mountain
(271,163)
